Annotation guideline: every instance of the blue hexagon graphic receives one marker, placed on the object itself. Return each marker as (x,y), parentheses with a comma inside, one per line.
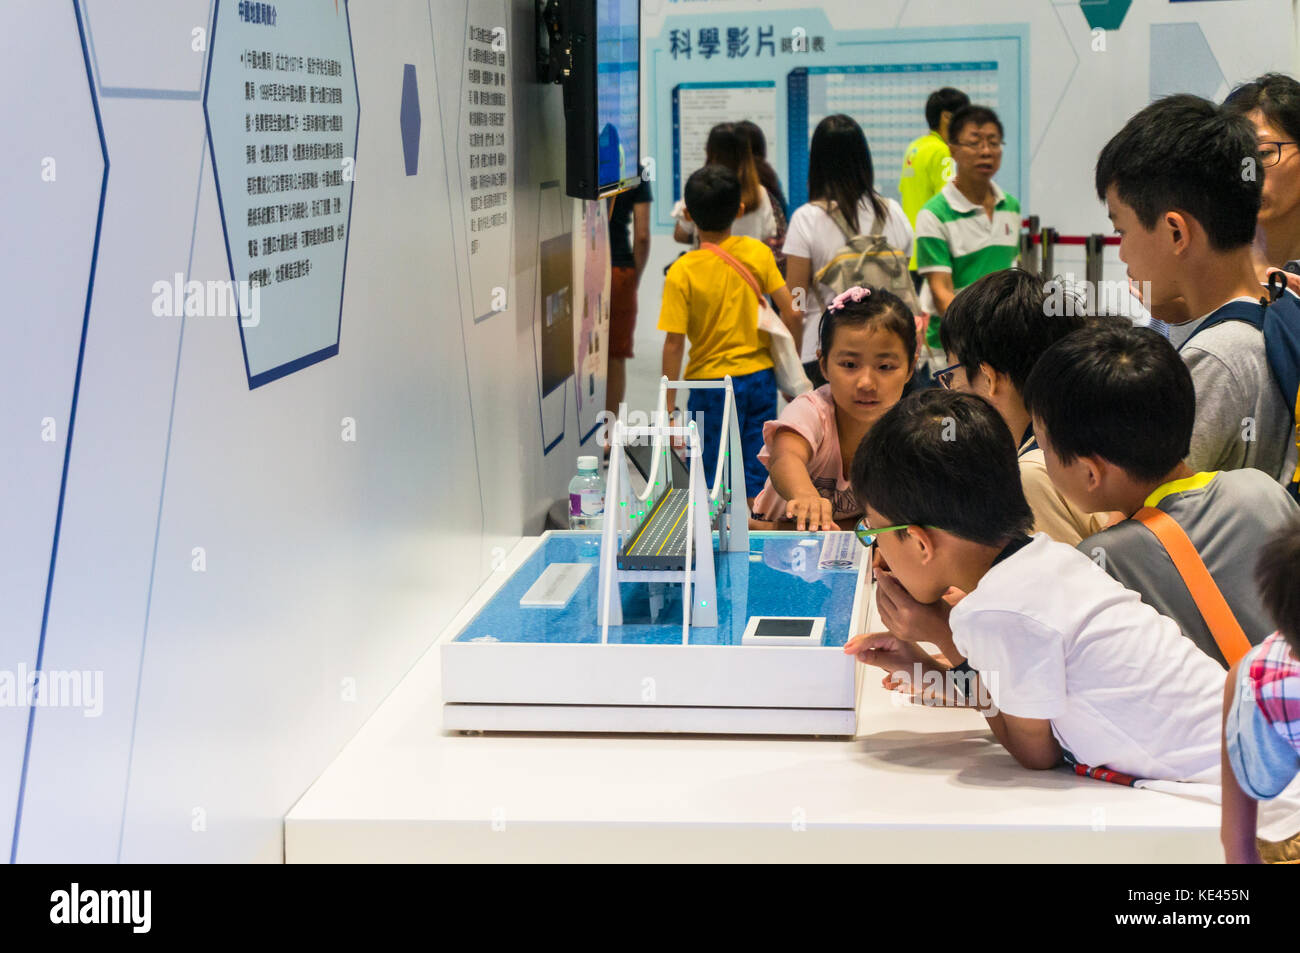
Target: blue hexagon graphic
(409,120)
(283,110)
(1105,14)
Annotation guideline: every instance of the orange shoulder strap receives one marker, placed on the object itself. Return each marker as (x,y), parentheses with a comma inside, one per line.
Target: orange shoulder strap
(1209,600)
(739,268)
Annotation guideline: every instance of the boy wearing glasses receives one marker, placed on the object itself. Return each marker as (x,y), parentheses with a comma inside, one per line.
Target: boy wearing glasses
(1180,185)
(972,227)
(992,335)
(1063,660)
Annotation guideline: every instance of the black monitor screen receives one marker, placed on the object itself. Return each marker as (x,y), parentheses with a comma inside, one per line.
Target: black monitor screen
(602,97)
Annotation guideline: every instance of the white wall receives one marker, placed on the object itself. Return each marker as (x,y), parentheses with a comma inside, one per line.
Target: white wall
(329,564)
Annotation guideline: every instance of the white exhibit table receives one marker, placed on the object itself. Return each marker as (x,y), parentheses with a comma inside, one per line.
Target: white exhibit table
(915,785)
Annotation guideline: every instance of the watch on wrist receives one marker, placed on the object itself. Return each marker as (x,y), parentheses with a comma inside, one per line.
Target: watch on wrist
(964,673)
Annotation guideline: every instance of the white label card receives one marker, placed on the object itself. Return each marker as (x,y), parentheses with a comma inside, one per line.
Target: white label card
(556,585)
(842,552)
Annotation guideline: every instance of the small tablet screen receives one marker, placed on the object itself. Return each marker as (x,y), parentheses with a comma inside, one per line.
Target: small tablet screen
(784,628)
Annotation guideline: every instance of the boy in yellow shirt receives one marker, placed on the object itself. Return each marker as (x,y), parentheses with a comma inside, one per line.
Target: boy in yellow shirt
(706,301)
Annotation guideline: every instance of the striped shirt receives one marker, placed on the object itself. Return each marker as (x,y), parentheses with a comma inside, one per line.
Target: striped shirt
(1263,725)
(955,235)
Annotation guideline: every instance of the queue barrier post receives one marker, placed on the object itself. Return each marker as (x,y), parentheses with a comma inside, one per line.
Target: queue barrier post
(1094,247)
(1049,239)
(1029,246)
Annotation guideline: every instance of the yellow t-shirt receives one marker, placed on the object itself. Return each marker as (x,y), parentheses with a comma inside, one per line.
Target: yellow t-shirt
(716,309)
(922,177)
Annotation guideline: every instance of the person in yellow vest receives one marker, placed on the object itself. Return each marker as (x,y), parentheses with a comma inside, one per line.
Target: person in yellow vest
(923,162)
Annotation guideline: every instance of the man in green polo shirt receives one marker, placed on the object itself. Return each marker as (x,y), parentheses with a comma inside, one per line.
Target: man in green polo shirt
(972,227)
(924,169)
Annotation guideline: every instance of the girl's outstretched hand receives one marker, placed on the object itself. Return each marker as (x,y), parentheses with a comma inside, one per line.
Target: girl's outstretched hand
(811,513)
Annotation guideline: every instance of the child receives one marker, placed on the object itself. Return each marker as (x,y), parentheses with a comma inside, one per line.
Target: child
(1113,409)
(867,353)
(992,334)
(1071,661)
(1175,183)
(706,300)
(1261,725)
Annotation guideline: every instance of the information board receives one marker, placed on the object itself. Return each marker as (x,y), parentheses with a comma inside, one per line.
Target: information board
(485,151)
(885,99)
(282,109)
(698,107)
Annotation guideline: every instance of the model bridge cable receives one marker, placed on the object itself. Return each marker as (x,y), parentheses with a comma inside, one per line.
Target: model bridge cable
(662,533)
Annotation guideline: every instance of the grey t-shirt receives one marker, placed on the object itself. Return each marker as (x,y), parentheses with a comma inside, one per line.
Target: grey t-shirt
(1242,420)
(1227,520)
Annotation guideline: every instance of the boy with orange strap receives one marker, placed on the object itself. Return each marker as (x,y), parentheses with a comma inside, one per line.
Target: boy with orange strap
(1113,410)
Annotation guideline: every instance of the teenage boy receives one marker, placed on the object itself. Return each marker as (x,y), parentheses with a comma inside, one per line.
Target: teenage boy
(707,301)
(1114,410)
(1177,181)
(927,163)
(1070,660)
(992,334)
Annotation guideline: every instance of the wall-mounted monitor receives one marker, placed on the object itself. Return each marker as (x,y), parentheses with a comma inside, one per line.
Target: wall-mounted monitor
(602,96)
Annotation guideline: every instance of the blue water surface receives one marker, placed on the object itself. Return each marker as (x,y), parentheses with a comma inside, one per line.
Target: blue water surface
(778,576)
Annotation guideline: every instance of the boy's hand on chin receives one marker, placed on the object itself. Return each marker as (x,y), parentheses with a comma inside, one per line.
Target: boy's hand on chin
(908,619)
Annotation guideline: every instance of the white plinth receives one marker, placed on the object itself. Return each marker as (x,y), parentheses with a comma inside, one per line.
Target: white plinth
(915,786)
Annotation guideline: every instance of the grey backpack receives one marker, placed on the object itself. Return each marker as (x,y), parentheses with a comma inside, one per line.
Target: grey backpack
(867,260)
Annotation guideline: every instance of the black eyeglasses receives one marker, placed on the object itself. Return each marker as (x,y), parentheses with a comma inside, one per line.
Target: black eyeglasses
(994,144)
(1270,152)
(944,377)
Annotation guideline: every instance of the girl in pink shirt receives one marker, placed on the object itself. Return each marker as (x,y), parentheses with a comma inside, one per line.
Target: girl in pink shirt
(867,352)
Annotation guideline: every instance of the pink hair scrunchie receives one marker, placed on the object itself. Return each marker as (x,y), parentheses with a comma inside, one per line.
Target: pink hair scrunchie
(854,294)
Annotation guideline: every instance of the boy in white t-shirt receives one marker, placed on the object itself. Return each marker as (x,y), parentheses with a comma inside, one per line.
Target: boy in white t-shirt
(1060,658)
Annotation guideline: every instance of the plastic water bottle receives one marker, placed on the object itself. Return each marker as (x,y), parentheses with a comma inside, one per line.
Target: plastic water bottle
(587,496)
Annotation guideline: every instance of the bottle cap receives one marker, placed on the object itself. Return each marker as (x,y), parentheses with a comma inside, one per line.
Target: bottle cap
(587,463)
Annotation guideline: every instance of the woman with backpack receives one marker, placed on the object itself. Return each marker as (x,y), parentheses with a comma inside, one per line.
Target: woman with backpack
(844,235)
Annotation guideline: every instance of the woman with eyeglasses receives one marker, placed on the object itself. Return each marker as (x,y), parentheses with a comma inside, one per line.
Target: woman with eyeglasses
(1272,103)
